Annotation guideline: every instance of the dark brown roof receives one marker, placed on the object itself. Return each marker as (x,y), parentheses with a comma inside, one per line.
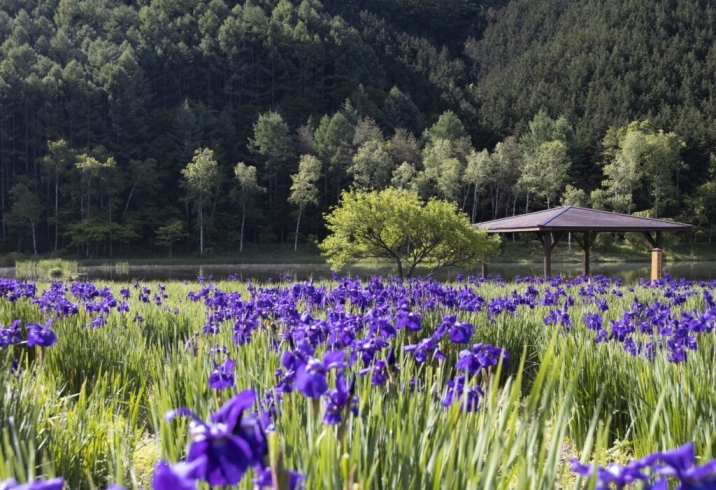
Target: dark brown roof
(573,218)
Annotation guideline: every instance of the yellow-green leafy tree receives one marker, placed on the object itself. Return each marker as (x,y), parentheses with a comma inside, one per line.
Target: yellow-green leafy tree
(395,225)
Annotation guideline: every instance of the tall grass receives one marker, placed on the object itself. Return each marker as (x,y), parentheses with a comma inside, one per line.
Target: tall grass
(90,408)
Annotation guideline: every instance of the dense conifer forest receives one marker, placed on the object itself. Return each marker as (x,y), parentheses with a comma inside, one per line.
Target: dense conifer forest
(139,126)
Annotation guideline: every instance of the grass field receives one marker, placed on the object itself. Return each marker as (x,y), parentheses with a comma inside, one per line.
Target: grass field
(594,370)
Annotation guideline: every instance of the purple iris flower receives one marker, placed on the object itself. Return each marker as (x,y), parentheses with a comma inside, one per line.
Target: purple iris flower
(679,463)
(53,484)
(422,349)
(178,476)
(408,320)
(461,332)
(231,442)
(311,375)
(467,396)
(593,321)
(480,357)
(39,335)
(223,375)
(99,321)
(265,479)
(340,401)
(613,473)
(382,369)
(11,335)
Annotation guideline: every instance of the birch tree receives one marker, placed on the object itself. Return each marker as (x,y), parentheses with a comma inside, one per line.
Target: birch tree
(245,193)
(201,177)
(304,190)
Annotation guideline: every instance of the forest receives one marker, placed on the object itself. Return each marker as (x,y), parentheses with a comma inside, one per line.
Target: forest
(137,127)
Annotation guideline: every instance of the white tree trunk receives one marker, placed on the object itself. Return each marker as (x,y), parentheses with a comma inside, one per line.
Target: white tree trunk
(298,223)
(243,219)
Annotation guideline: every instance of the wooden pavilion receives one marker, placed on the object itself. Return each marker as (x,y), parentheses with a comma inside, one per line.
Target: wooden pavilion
(584,224)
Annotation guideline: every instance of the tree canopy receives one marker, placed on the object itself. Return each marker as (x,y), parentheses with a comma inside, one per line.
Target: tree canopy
(396,225)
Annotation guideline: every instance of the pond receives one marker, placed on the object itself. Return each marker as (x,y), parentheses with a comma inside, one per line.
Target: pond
(628,272)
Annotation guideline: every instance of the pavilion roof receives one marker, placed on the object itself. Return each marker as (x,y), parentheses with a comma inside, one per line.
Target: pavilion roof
(574,218)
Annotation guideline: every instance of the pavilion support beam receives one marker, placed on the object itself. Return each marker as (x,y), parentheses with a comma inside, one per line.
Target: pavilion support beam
(548,240)
(547,250)
(657,258)
(657,263)
(585,258)
(651,239)
(586,243)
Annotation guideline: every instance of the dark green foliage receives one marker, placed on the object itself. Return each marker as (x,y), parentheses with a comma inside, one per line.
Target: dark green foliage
(151,81)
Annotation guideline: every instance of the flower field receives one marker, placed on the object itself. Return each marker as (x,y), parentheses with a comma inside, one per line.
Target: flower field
(350,384)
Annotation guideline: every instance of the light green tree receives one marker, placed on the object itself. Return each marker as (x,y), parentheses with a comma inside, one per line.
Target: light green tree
(641,155)
(662,161)
(547,171)
(304,190)
(96,168)
(703,202)
(272,140)
(372,166)
(404,147)
(396,225)
(56,163)
(403,176)
(573,197)
(477,174)
(366,130)
(26,210)
(201,177)
(624,173)
(447,127)
(333,141)
(507,165)
(245,193)
(442,174)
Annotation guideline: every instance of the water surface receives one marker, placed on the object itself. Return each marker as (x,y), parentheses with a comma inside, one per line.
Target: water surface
(629,272)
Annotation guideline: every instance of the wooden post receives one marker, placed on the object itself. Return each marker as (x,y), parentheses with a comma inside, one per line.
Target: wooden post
(585,258)
(656,264)
(547,247)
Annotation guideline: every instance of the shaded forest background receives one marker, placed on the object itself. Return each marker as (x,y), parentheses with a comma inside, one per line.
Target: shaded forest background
(104,104)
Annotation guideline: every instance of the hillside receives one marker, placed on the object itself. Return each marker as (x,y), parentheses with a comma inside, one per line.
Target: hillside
(104,102)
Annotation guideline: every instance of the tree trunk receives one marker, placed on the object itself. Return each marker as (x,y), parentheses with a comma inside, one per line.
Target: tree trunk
(474,205)
(34,238)
(57,192)
(201,229)
(243,220)
(298,222)
(131,193)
